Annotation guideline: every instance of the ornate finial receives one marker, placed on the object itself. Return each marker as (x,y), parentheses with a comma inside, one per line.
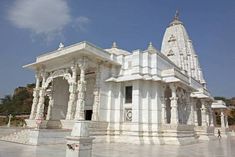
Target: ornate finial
(176,20)
(151,48)
(150,45)
(176,15)
(61,46)
(114,45)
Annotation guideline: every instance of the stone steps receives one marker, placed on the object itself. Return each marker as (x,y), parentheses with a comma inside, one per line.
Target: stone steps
(98,128)
(18,137)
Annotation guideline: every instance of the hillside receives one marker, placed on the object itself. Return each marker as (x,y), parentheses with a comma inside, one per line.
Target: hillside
(19,103)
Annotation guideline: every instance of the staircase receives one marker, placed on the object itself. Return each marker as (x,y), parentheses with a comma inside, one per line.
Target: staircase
(17,137)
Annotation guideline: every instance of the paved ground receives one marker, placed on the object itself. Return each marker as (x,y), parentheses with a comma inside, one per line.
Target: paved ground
(216,148)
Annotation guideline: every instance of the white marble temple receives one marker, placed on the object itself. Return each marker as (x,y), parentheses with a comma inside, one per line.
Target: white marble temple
(144,96)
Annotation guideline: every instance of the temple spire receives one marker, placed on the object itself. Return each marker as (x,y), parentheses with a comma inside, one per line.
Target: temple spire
(176,15)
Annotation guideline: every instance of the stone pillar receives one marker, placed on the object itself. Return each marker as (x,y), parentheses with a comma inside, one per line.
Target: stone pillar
(226,121)
(192,112)
(207,115)
(79,143)
(214,118)
(81,91)
(136,103)
(211,116)
(9,120)
(51,103)
(204,113)
(163,102)
(174,105)
(35,97)
(72,94)
(40,108)
(95,114)
(195,113)
(222,119)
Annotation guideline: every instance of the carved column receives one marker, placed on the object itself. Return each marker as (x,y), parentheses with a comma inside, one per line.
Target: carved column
(35,97)
(51,103)
(95,114)
(192,112)
(195,111)
(226,121)
(207,115)
(40,108)
(81,91)
(163,102)
(204,113)
(174,105)
(222,119)
(196,116)
(72,94)
(214,118)
(211,116)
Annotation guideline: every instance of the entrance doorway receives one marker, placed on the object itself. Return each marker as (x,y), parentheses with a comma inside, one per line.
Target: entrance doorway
(88,114)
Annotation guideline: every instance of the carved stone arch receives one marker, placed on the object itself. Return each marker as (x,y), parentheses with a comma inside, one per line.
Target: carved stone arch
(64,73)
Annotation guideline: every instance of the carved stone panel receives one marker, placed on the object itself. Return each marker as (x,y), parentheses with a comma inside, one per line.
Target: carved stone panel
(128,114)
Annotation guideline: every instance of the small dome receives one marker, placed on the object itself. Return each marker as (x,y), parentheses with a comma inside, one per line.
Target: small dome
(115,50)
(151,48)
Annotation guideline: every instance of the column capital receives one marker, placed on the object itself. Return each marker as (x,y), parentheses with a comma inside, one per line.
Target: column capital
(44,74)
(173,86)
(203,101)
(74,67)
(174,98)
(222,113)
(37,75)
(83,63)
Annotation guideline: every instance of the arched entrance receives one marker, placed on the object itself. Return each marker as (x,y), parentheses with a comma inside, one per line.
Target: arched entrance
(60,94)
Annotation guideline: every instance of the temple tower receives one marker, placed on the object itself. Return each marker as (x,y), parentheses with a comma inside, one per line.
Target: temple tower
(178,47)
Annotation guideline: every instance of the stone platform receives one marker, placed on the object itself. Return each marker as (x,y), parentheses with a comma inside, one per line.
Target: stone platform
(214,148)
(205,132)
(36,136)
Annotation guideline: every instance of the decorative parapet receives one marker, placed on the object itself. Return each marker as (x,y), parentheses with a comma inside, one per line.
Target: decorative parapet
(174,75)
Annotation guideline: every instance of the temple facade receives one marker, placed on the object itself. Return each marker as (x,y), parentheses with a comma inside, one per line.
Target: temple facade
(145,96)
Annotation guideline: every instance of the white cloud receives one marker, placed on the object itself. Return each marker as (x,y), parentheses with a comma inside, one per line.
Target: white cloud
(80,23)
(44,17)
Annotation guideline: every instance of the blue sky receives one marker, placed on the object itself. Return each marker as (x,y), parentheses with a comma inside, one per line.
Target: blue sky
(29,28)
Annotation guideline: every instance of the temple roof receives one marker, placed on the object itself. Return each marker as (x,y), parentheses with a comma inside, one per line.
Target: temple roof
(66,54)
(219,104)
